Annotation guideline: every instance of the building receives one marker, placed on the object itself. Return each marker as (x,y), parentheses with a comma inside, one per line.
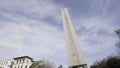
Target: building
(18,62)
(22,62)
(75,55)
(6,63)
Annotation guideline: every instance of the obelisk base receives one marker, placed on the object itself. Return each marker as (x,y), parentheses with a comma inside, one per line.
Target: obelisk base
(79,66)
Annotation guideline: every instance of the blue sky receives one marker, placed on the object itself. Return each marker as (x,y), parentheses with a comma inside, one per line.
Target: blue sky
(34,28)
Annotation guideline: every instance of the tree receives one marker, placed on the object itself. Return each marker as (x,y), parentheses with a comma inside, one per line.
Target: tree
(99,64)
(110,62)
(42,64)
(118,42)
(113,62)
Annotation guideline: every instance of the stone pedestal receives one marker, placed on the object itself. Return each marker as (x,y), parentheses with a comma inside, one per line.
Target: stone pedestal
(79,66)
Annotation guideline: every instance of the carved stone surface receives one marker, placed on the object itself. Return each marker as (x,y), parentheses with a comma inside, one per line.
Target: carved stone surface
(75,56)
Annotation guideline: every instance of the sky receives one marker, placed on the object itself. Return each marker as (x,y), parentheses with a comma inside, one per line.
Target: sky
(34,28)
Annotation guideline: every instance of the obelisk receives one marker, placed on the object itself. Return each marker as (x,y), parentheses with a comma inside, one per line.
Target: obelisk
(75,56)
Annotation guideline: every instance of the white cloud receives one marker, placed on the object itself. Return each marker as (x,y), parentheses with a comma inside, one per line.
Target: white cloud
(100,6)
(24,32)
(96,32)
(96,37)
(39,41)
(33,9)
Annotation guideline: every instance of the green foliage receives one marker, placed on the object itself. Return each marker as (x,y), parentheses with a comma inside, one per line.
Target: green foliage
(110,62)
(42,64)
(118,42)
(99,64)
(113,62)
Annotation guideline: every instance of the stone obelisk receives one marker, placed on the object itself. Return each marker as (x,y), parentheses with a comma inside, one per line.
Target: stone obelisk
(75,56)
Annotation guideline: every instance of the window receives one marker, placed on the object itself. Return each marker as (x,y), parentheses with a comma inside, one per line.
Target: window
(18,66)
(6,63)
(16,61)
(27,61)
(19,60)
(26,66)
(21,66)
(23,60)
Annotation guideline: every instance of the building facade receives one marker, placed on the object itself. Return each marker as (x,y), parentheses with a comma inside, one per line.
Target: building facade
(22,62)
(18,62)
(6,63)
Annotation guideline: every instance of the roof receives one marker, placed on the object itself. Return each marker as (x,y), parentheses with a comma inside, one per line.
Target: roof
(23,57)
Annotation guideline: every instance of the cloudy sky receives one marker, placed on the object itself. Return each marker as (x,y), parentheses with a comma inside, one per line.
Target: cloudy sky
(34,28)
